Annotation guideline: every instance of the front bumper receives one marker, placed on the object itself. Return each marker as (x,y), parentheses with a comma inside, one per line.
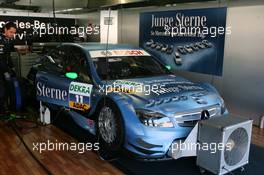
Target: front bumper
(176,150)
(164,143)
(150,143)
(156,142)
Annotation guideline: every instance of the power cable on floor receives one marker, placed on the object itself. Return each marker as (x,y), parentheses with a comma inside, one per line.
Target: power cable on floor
(11,120)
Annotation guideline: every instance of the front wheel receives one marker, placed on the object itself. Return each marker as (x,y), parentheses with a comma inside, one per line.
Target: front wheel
(110,128)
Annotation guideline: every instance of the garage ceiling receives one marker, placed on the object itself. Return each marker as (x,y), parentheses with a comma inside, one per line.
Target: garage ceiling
(82,6)
(58,3)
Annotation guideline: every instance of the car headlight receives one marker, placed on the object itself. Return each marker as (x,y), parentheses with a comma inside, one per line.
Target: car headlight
(154,119)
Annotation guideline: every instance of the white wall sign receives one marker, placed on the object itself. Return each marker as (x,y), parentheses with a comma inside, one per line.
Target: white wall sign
(109,26)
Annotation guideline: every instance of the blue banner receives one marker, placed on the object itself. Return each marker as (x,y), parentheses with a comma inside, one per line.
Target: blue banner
(189,40)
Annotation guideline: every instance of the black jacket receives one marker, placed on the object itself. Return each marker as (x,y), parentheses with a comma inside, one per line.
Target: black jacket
(6,47)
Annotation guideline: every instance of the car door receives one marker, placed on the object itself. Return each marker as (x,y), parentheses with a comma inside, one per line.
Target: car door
(55,86)
(51,85)
(80,89)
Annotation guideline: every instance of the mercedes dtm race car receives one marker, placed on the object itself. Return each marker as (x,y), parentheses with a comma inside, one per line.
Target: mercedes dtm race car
(126,97)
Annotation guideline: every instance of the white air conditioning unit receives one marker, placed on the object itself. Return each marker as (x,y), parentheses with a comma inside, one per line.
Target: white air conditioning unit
(230,137)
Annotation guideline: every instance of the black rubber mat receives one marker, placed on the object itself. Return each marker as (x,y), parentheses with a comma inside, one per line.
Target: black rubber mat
(171,167)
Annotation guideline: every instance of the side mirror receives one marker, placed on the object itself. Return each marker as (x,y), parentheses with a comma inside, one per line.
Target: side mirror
(71,75)
(50,58)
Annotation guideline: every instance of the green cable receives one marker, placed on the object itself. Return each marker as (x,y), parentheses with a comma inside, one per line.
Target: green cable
(10,117)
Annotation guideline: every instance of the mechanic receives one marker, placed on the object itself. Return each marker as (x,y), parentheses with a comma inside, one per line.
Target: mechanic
(6,66)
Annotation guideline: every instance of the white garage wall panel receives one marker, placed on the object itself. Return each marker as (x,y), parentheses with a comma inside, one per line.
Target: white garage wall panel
(243,80)
(109,26)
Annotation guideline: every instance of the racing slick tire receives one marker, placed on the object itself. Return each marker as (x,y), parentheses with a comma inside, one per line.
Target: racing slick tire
(110,127)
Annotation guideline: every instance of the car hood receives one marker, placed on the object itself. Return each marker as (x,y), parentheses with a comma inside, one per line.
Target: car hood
(168,93)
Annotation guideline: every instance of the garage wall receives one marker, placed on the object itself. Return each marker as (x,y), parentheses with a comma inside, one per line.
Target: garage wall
(89,19)
(242,83)
(243,80)
(82,20)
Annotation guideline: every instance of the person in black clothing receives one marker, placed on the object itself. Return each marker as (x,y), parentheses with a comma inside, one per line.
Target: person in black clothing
(6,65)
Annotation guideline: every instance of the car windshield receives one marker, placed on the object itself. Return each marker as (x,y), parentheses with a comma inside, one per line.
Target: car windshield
(127,67)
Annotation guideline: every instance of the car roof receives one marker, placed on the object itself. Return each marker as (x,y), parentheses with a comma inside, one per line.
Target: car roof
(100,46)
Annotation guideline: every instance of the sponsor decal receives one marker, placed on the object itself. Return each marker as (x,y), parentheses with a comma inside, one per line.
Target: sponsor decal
(91,126)
(118,89)
(106,53)
(50,92)
(118,53)
(157,87)
(80,89)
(90,123)
(80,106)
(127,83)
(79,96)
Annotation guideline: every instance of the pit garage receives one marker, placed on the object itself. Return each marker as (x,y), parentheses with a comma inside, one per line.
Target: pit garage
(131,87)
